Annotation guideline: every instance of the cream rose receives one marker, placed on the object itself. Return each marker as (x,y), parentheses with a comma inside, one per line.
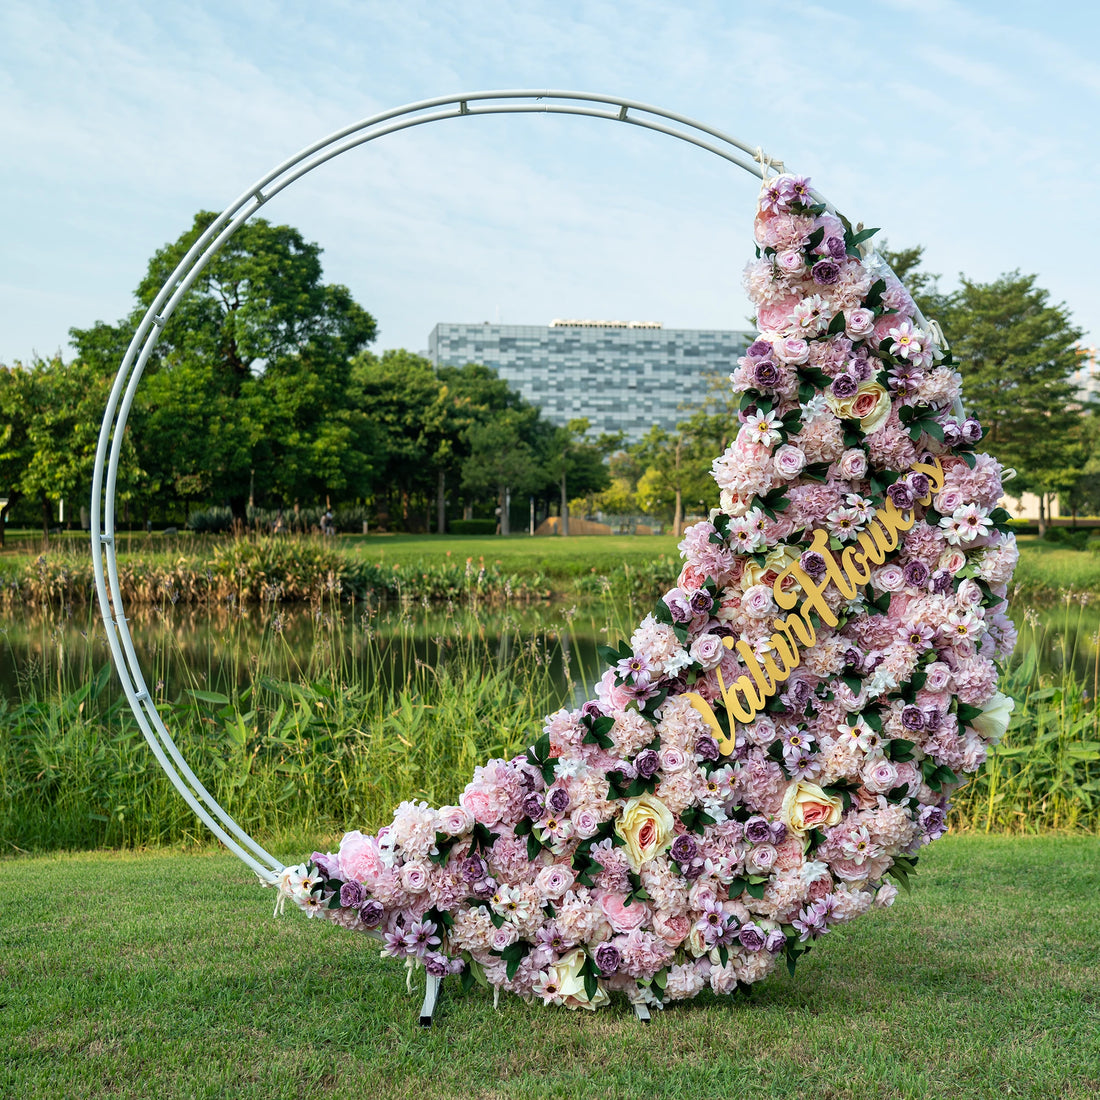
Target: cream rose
(566,975)
(870,405)
(806,806)
(778,559)
(993,721)
(646,826)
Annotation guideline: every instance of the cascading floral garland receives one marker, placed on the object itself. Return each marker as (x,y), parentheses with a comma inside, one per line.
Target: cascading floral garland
(742,782)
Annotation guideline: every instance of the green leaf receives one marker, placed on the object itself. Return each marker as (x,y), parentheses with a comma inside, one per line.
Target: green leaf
(836,325)
(214,697)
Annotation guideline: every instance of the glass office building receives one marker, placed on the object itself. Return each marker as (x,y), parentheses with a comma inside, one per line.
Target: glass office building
(622,375)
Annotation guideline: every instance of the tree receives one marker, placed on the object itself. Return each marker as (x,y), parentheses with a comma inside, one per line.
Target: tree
(51,411)
(398,393)
(1016,352)
(502,459)
(677,466)
(575,463)
(250,375)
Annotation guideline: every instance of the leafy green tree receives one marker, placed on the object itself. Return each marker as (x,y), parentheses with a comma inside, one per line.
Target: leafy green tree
(576,464)
(1017,351)
(397,393)
(250,377)
(677,465)
(50,413)
(502,460)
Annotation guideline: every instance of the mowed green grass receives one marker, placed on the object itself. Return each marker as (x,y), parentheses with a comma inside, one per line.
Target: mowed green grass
(554,556)
(165,976)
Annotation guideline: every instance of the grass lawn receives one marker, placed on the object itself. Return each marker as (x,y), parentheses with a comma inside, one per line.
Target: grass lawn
(165,975)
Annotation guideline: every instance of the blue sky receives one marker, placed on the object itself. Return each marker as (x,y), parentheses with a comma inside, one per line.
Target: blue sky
(970,128)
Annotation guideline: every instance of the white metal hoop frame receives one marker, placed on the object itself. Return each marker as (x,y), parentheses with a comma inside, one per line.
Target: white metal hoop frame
(104,560)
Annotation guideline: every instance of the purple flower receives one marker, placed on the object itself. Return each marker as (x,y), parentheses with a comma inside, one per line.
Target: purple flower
(971,430)
(778,831)
(813,565)
(759,349)
(646,763)
(844,386)
(394,945)
(837,248)
(707,748)
(684,848)
(933,719)
(371,913)
(766,374)
(637,668)
(592,709)
(326,863)
(534,807)
(941,581)
(952,433)
(608,958)
(933,821)
(551,936)
(558,800)
(920,485)
(757,830)
(912,717)
(436,964)
(679,605)
(421,937)
(825,272)
(351,895)
(810,922)
(775,941)
(701,602)
(916,573)
(901,494)
(752,936)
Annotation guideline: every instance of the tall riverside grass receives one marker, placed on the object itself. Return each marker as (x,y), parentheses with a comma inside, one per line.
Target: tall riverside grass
(253,570)
(313,740)
(337,744)
(1045,773)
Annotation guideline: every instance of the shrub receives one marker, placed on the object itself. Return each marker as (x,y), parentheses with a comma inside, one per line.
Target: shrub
(216,520)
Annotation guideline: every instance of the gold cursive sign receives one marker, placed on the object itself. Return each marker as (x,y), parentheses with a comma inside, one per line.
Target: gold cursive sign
(848,571)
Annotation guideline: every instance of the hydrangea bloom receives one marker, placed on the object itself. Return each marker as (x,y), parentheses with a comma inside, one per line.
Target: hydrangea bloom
(746,775)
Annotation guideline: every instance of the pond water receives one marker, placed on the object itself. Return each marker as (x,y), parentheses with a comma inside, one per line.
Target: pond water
(184,649)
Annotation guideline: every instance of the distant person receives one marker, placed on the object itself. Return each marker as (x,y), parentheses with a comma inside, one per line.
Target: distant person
(280,523)
(328,524)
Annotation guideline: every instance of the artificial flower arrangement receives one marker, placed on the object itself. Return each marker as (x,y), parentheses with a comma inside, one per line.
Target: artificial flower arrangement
(782,734)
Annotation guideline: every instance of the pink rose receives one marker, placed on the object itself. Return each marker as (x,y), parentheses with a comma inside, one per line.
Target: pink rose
(360,859)
(947,500)
(858,323)
(707,650)
(758,602)
(853,464)
(952,560)
(671,926)
(553,881)
(793,350)
(865,403)
(776,316)
(789,461)
(761,859)
(880,776)
(414,877)
(968,594)
(613,696)
(938,676)
(889,578)
(455,820)
(673,760)
(481,804)
(790,261)
(585,821)
(504,936)
(623,917)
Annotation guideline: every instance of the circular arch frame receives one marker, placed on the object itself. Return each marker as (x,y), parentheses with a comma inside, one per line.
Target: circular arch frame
(105,477)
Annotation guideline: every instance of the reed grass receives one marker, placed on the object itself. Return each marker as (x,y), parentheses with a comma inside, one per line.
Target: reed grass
(330,737)
(336,732)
